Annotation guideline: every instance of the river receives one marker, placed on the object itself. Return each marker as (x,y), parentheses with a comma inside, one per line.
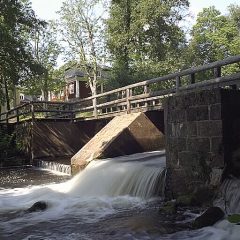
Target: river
(111,199)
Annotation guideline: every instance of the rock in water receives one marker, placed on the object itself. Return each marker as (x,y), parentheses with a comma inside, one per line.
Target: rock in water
(37,206)
(209,217)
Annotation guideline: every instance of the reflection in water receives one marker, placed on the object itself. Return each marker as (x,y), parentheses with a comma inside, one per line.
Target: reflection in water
(110,199)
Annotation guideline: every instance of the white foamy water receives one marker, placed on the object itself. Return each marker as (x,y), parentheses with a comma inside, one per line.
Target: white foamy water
(97,204)
(229,196)
(56,167)
(104,187)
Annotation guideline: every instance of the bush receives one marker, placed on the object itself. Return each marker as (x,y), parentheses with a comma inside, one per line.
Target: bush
(7,144)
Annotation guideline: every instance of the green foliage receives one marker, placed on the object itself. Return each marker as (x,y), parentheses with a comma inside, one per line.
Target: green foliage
(17,22)
(235,218)
(6,144)
(144,38)
(215,37)
(45,51)
(82,29)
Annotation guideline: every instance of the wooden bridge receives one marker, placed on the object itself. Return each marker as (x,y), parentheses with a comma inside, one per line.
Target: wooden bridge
(142,96)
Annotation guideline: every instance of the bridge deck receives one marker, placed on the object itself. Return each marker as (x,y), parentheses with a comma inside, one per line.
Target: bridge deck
(142,96)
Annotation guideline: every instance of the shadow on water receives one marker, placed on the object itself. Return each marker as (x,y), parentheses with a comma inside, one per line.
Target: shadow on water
(23,177)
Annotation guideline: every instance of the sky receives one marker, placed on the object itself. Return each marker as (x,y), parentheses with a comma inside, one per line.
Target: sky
(46,9)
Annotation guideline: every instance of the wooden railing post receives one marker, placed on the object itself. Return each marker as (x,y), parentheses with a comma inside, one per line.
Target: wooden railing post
(192,78)
(32,112)
(95,107)
(217,72)
(128,95)
(178,83)
(7,117)
(17,113)
(146,89)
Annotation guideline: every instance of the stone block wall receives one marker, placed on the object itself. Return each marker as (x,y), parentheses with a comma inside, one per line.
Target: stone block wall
(198,139)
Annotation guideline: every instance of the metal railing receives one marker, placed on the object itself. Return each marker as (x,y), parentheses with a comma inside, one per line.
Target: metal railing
(142,96)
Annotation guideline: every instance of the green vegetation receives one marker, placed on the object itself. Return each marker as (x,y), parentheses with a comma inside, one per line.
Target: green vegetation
(7,144)
(215,36)
(17,64)
(137,39)
(45,51)
(144,38)
(235,218)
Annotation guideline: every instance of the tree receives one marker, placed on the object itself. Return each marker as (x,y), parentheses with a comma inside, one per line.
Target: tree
(234,14)
(81,26)
(214,37)
(45,50)
(144,36)
(17,22)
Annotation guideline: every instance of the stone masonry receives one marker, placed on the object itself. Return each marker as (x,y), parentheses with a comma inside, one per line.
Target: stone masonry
(200,130)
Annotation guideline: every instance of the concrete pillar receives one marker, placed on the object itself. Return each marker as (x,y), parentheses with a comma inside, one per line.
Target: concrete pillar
(123,135)
(202,132)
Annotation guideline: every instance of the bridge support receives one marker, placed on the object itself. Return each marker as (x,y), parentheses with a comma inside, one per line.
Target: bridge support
(123,135)
(202,131)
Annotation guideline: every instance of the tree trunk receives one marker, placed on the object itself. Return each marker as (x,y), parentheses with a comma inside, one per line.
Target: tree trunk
(6,95)
(14,96)
(93,87)
(45,89)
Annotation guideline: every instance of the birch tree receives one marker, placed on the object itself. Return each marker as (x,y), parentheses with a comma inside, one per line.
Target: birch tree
(82,25)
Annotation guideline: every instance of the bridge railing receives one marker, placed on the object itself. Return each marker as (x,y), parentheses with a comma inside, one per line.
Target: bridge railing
(145,95)
(38,110)
(148,94)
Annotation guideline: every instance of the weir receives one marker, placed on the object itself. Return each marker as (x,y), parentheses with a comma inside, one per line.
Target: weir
(124,135)
(54,166)
(140,175)
(201,125)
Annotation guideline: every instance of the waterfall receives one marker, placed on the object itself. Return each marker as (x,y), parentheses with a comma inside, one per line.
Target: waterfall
(54,166)
(107,187)
(135,175)
(110,199)
(229,196)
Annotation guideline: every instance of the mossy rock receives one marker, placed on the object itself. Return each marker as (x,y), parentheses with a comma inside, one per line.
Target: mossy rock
(169,208)
(185,200)
(202,196)
(235,218)
(209,217)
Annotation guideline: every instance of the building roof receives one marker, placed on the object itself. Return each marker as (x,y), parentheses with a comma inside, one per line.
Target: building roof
(71,73)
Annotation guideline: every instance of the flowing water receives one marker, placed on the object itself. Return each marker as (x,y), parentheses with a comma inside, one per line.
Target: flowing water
(54,166)
(229,196)
(111,199)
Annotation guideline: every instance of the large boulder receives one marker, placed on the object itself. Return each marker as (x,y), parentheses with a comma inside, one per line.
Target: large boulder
(37,206)
(209,217)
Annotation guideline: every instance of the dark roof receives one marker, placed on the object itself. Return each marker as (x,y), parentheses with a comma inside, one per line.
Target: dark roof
(71,73)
